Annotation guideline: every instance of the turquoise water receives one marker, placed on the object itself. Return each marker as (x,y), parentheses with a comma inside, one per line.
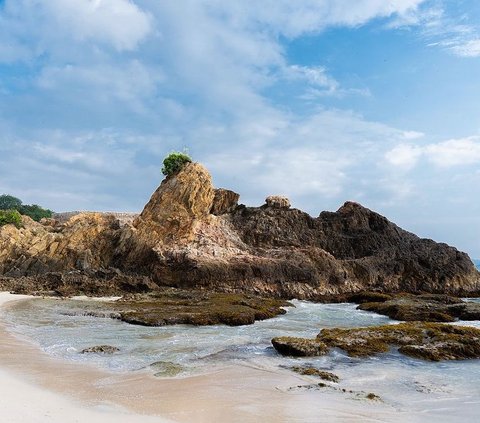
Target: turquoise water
(439,391)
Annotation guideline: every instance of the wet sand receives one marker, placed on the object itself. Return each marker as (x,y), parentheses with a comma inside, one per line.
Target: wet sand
(35,387)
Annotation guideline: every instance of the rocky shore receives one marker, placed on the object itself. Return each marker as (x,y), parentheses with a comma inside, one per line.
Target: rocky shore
(193,236)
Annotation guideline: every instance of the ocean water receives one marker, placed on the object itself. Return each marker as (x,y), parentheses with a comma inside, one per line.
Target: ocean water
(443,390)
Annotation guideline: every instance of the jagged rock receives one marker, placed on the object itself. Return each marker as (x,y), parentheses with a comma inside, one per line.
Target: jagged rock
(428,341)
(181,199)
(277,202)
(267,250)
(225,201)
(100,349)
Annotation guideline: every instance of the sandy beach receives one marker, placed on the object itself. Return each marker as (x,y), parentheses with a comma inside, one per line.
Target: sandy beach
(36,387)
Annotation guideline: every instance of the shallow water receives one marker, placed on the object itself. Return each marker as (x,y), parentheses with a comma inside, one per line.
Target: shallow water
(437,390)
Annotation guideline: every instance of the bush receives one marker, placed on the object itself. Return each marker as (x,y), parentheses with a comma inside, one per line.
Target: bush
(35,212)
(9,202)
(174,162)
(10,216)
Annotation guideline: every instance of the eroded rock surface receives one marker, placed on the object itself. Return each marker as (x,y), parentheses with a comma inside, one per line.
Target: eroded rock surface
(272,251)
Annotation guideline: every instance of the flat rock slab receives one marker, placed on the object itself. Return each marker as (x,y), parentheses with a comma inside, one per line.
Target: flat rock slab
(172,306)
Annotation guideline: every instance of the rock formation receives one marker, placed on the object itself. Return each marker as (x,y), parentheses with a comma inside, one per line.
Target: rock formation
(190,235)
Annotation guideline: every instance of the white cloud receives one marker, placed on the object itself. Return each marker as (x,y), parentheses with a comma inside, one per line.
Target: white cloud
(445,154)
(470,48)
(120,23)
(454,152)
(404,156)
(316,76)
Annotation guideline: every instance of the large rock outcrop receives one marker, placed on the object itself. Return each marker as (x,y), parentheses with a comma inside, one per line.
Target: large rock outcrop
(191,235)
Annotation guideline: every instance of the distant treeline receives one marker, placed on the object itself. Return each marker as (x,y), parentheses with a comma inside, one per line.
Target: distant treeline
(11,203)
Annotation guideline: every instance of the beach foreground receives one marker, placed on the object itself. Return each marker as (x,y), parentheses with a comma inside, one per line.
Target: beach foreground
(36,387)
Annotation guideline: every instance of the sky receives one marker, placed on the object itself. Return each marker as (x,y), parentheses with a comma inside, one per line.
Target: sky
(323,101)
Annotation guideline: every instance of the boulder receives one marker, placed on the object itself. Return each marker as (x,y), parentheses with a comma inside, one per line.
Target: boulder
(277,202)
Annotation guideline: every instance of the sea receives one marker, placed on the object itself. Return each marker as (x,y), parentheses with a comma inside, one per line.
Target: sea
(442,391)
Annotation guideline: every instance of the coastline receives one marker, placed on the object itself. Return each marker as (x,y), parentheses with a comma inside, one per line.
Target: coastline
(36,387)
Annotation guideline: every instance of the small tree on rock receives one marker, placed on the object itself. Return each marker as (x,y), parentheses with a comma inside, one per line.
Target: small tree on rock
(174,162)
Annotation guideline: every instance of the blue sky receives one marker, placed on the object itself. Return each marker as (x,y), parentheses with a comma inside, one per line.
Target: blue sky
(323,101)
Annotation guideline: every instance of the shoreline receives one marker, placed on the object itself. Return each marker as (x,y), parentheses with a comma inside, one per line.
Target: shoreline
(36,387)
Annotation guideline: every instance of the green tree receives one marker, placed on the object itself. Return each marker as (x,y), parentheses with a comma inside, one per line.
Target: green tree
(174,162)
(35,211)
(10,216)
(9,202)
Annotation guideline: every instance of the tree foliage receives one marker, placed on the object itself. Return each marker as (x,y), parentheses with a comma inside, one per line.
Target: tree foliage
(174,162)
(9,203)
(35,211)
(10,216)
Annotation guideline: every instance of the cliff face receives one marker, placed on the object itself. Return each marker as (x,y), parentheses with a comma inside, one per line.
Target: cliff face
(191,235)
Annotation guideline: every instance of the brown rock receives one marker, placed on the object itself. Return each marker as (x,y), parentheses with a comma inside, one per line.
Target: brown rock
(100,349)
(427,308)
(180,200)
(269,250)
(225,201)
(428,341)
(299,347)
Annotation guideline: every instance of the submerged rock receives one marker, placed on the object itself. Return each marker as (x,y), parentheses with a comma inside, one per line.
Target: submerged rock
(166,369)
(428,341)
(312,371)
(100,349)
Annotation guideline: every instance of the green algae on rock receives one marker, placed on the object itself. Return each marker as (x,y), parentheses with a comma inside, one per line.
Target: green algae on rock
(428,341)
(200,308)
(428,308)
(312,371)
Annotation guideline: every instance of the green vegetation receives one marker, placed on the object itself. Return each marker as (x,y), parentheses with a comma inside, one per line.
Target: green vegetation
(9,202)
(10,216)
(174,162)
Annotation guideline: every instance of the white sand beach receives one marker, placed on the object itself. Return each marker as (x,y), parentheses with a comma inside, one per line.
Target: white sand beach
(36,387)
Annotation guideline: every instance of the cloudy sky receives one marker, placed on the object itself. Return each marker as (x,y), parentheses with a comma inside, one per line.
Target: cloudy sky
(324,101)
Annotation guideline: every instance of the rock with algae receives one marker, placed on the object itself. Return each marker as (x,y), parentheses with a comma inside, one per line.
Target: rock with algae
(428,341)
